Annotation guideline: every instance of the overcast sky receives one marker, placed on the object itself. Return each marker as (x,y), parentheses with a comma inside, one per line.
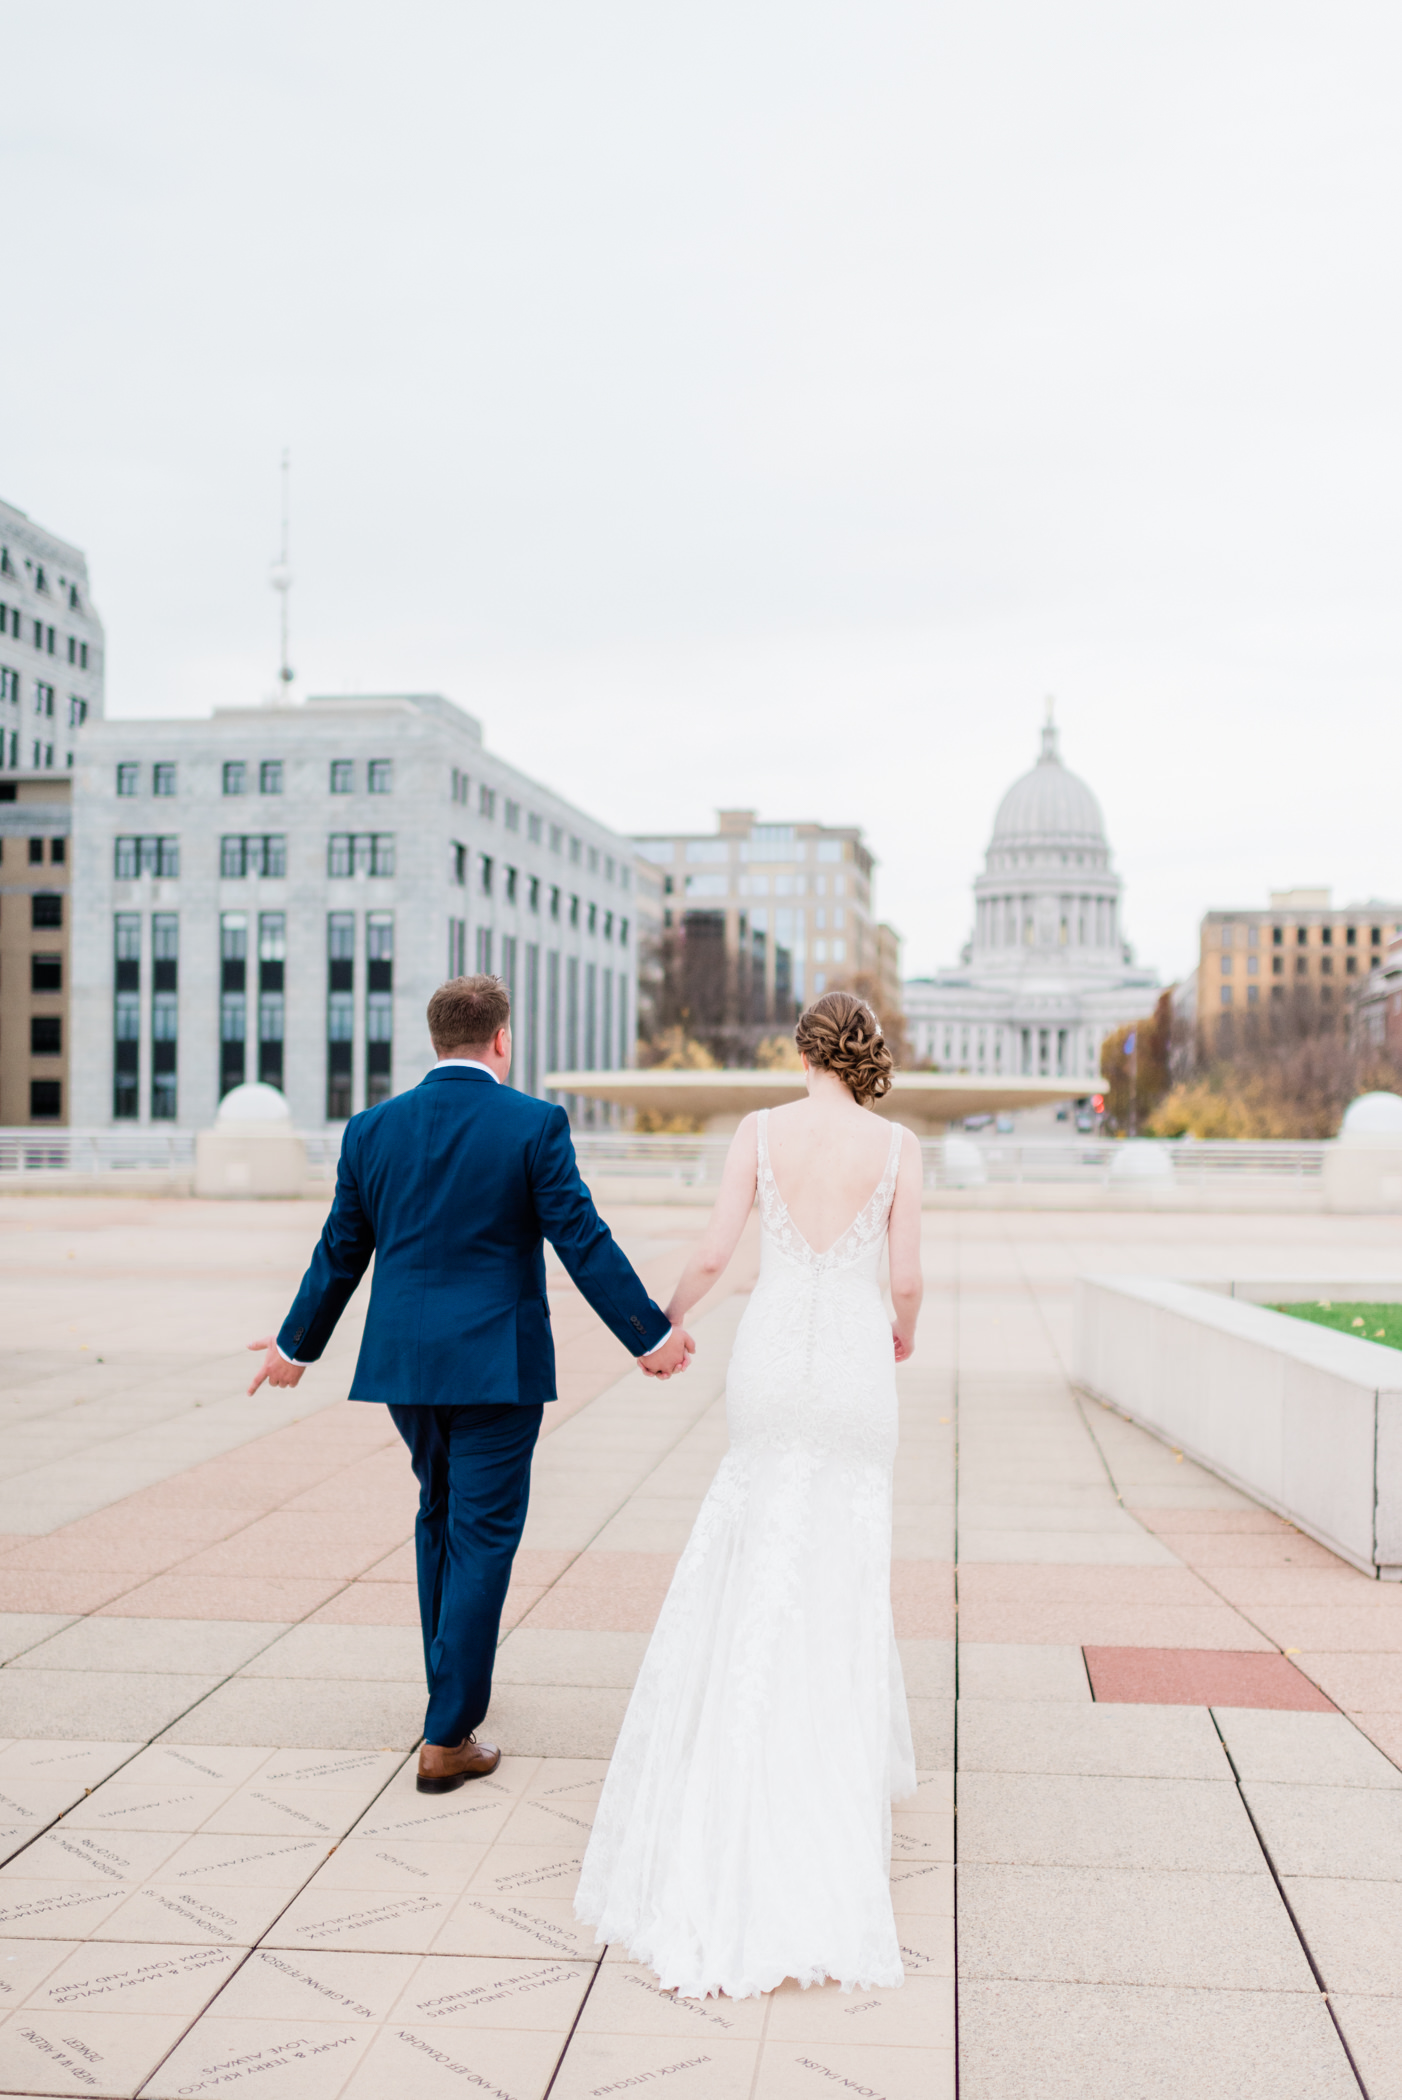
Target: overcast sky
(757,404)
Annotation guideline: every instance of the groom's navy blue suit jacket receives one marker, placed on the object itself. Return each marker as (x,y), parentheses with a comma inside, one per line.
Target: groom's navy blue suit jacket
(453,1187)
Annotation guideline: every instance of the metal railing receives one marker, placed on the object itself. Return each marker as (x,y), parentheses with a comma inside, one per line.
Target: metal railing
(959,1161)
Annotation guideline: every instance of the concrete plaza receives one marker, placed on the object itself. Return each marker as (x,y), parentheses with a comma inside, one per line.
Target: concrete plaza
(1177,1747)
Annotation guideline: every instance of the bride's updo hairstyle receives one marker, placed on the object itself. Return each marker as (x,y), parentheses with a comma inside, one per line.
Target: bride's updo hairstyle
(840,1033)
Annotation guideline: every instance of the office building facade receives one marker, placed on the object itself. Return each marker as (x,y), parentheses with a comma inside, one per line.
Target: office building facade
(274,893)
(784,910)
(51,648)
(1297,964)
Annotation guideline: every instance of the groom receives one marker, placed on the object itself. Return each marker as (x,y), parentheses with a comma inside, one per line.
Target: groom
(452,1188)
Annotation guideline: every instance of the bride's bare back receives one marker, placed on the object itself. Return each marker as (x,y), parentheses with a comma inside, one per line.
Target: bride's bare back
(827,1156)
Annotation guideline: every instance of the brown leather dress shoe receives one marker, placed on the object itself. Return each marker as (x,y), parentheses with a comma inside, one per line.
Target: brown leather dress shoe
(441,1767)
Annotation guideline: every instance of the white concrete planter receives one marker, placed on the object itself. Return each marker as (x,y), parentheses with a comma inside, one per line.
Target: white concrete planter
(1306,1420)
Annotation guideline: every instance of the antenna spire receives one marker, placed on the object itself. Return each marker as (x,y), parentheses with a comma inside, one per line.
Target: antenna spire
(1050,754)
(280,576)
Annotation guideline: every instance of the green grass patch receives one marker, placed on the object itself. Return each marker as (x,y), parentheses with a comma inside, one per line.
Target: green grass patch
(1371,1323)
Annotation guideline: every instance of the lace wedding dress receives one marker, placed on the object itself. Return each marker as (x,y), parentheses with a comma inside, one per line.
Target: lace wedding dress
(744,1833)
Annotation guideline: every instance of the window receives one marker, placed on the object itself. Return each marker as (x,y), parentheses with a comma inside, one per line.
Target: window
(1277,966)
(128,779)
(511,885)
(270,777)
(533,830)
(593,925)
(623,933)
(146,856)
(487,801)
(484,873)
(46,973)
(1301,936)
(575,850)
(36,853)
(1326,965)
(1253,964)
(342,776)
(83,658)
(574,911)
(1352,965)
(165,1014)
(44,700)
(457,865)
(46,908)
(1326,935)
(1226,966)
(233,999)
(379,1006)
(235,777)
(360,853)
(379,776)
(484,951)
(9,680)
(608,936)
(1277,935)
(554,905)
(340,1013)
(461,785)
(126,1018)
(533,893)
(1352,936)
(1375,934)
(557,839)
(58,852)
(240,858)
(512,816)
(457,947)
(828,849)
(45,1100)
(593,861)
(1301,967)
(45,1035)
(272,954)
(77,711)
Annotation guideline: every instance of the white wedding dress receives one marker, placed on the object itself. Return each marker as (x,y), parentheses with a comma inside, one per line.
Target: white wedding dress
(744,1832)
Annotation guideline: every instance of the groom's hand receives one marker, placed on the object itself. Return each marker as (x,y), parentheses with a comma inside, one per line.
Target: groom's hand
(274,1367)
(673,1356)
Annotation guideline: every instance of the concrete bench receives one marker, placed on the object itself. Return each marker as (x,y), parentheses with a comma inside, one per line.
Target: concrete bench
(1304,1419)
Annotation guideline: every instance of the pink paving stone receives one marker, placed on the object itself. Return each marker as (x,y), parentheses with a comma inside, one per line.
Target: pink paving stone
(399,1566)
(61,1553)
(75,1592)
(284,1543)
(1330,1629)
(1339,1585)
(1109,1625)
(373,1604)
(607,1593)
(1357,1682)
(1167,1522)
(1197,1677)
(922,1599)
(1383,1729)
(182,1596)
(521,1599)
(1213,1550)
(992,1582)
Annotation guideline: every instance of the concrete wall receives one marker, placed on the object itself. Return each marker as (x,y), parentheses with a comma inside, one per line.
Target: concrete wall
(1306,1420)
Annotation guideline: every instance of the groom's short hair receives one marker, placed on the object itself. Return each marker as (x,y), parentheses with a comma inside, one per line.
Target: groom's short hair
(466,1013)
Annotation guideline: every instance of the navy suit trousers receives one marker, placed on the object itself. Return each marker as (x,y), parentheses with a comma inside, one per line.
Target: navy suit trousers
(473,1466)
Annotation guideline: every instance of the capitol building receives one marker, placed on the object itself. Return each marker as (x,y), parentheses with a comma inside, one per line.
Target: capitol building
(1048,973)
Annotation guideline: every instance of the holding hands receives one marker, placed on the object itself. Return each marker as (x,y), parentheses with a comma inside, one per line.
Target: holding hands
(673,1355)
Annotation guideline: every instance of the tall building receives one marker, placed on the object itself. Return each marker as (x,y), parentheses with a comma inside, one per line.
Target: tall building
(51,651)
(1298,962)
(51,666)
(274,893)
(35,920)
(1047,974)
(771,913)
(1380,1000)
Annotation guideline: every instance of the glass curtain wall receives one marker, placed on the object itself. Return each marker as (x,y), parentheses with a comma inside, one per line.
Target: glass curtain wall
(272,1010)
(165,1014)
(379,1007)
(233,1000)
(340,1013)
(126,1018)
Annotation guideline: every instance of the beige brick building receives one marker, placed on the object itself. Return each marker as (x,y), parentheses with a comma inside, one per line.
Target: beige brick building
(1300,960)
(34,933)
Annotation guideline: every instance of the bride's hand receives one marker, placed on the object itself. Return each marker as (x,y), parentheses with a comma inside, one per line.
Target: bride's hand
(904,1349)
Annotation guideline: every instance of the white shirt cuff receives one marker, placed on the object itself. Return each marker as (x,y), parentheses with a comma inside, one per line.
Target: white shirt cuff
(298,1362)
(660,1345)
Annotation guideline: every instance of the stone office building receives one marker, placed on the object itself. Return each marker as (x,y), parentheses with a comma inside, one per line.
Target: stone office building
(274,893)
(51,648)
(1299,964)
(785,909)
(51,683)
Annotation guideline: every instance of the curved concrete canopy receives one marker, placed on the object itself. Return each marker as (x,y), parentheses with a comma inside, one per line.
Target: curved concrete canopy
(926,1100)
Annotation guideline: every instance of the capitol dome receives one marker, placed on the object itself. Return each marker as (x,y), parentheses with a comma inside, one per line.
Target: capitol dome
(1049,806)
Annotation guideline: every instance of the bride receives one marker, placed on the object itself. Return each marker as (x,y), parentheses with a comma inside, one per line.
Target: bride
(744,1832)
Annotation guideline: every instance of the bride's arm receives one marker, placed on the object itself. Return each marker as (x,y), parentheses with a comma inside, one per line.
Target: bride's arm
(725,1225)
(903,1246)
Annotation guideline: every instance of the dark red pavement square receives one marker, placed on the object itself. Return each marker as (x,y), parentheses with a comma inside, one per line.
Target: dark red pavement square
(1201,1677)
